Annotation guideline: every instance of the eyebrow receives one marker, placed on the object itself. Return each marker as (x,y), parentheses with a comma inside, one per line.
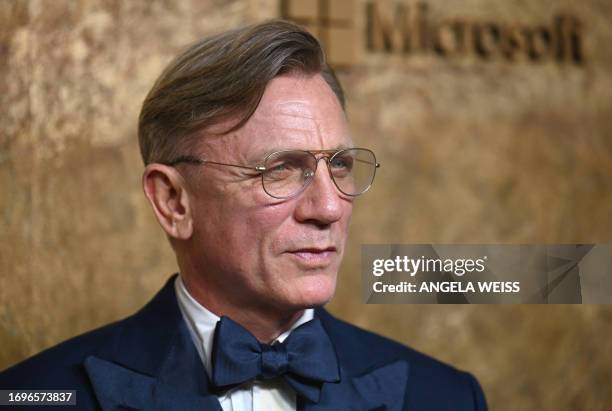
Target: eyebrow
(280,148)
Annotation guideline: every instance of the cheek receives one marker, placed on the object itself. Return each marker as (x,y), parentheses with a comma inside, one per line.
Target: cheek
(223,227)
(240,221)
(267,228)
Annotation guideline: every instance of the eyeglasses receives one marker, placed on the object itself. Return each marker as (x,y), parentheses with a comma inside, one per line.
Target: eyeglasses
(285,174)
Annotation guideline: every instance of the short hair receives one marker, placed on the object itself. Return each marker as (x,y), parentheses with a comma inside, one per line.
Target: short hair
(222,78)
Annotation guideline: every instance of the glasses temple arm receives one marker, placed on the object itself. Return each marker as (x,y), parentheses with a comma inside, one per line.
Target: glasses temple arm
(377,165)
(200,161)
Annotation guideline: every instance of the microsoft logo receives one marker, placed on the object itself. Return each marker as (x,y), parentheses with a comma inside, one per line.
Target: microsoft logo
(409,27)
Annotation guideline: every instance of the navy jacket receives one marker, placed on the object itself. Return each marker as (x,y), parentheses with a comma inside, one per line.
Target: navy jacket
(149,362)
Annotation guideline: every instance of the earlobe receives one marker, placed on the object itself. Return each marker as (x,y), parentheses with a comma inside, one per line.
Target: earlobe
(166,191)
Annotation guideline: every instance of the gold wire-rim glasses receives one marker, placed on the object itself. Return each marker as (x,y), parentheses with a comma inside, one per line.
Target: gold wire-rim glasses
(264,168)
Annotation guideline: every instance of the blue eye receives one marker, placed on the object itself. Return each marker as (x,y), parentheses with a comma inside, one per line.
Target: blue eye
(342,163)
(279,167)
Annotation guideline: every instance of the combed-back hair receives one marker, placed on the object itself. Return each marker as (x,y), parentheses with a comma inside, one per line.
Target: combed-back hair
(222,78)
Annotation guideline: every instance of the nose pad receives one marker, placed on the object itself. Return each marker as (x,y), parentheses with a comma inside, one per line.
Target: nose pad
(310,174)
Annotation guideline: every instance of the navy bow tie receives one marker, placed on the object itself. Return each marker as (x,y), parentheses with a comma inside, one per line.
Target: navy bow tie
(305,359)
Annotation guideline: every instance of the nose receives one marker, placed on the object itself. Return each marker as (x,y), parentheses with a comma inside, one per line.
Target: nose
(321,203)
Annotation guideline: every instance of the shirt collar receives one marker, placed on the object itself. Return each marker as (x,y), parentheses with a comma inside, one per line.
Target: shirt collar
(201,322)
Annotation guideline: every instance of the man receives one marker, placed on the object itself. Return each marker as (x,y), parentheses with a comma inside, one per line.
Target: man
(251,172)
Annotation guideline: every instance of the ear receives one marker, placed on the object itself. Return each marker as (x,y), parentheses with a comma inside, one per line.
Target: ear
(166,190)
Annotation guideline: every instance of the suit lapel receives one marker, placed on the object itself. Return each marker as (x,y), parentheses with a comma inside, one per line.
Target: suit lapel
(153,364)
(117,387)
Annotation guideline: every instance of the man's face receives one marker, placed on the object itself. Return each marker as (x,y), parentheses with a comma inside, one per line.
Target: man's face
(258,251)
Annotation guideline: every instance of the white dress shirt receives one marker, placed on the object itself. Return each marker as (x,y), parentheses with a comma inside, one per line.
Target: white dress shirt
(252,395)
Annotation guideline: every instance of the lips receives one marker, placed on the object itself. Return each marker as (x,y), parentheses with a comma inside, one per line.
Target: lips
(316,256)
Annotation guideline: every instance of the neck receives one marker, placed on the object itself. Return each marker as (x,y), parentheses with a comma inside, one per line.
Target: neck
(265,323)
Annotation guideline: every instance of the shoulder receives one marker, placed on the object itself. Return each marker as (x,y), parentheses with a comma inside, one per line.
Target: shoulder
(61,366)
(359,348)
(430,381)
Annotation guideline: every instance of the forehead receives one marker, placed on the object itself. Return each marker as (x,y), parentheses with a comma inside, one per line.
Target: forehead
(295,112)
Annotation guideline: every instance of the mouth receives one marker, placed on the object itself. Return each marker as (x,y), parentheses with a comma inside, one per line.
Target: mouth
(314,256)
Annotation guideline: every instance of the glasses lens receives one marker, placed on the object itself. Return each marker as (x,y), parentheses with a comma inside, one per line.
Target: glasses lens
(287,172)
(353,170)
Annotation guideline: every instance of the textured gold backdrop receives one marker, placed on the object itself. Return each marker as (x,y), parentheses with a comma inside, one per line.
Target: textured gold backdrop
(472,152)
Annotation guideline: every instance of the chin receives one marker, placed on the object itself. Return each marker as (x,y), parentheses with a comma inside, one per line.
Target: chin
(313,290)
